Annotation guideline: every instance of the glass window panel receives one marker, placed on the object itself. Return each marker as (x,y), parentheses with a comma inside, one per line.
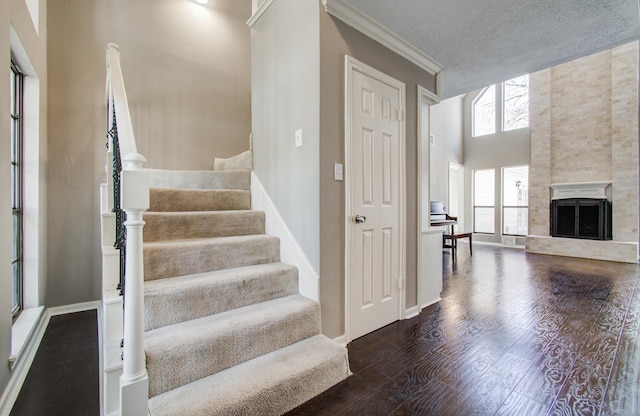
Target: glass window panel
(484,201)
(16,298)
(484,220)
(484,113)
(16,81)
(484,187)
(515,186)
(515,221)
(516,103)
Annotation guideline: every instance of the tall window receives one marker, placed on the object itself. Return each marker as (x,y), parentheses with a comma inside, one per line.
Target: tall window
(484,112)
(515,200)
(484,218)
(16,186)
(515,107)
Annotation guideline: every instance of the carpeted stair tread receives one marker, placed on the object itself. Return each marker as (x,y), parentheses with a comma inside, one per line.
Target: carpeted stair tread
(173,199)
(201,224)
(203,179)
(178,299)
(268,385)
(164,259)
(185,352)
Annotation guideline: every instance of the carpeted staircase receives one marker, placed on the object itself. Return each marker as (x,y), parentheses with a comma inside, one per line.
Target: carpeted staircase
(226,331)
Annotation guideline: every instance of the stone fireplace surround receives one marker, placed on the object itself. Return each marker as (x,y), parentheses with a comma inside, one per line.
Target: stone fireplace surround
(620,251)
(584,126)
(581,210)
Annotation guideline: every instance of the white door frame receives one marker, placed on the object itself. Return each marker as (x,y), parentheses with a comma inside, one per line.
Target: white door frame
(351,65)
(425,100)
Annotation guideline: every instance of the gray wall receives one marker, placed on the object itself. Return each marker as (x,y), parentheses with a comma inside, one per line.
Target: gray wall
(285,89)
(446,123)
(336,41)
(186,70)
(29,48)
(502,149)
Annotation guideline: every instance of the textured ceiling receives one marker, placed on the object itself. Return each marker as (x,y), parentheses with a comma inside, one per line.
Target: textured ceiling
(480,42)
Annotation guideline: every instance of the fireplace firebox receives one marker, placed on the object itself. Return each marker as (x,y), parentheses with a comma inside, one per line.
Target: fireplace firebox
(585,218)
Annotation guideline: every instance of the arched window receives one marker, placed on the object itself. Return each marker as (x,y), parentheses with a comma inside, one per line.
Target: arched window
(484,112)
(512,109)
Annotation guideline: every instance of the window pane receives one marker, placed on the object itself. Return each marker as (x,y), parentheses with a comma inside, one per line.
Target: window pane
(516,221)
(484,187)
(484,220)
(516,103)
(484,113)
(515,186)
(484,201)
(15,293)
(16,187)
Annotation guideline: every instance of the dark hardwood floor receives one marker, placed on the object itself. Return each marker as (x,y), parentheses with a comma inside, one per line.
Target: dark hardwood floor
(514,334)
(64,377)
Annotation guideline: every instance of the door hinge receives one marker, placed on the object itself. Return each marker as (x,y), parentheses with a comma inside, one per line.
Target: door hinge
(400,115)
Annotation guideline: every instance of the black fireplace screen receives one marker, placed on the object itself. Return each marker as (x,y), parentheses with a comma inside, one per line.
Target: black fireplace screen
(581,218)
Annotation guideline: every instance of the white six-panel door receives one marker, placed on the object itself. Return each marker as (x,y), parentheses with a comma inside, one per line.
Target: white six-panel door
(374,226)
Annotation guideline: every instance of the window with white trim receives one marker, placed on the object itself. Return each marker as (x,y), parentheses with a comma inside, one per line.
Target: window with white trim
(17,198)
(484,112)
(484,210)
(510,112)
(515,103)
(515,200)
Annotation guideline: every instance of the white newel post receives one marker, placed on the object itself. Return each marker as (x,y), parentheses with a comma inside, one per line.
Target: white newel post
(134,383)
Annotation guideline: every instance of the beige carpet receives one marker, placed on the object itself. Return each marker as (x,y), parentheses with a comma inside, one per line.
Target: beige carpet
(226,331)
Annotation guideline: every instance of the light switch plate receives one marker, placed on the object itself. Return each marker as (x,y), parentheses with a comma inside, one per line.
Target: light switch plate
(298,137)
(337,171)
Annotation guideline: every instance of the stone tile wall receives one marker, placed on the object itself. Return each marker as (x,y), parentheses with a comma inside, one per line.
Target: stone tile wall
(584,127)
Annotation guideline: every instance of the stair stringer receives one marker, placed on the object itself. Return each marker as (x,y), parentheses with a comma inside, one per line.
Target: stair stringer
(290,250)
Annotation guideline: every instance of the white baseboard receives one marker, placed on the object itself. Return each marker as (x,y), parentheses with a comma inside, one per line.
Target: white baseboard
(411,312)
(23,364)
(491,243)
(76,307)
(342,340)
(431,303)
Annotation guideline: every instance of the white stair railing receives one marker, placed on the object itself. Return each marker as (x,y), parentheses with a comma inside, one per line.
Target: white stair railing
(132,194)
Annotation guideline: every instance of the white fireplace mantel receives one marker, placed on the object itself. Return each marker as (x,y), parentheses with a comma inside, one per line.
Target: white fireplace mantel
(595,190)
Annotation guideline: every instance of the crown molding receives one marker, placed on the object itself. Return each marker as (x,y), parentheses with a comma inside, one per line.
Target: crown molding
(256,16)
(364,24)
(428,96)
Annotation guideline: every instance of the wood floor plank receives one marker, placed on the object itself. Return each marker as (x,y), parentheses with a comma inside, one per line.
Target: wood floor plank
(64,379)
(514,334)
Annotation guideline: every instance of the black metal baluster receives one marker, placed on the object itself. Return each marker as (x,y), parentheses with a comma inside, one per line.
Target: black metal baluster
(121,231)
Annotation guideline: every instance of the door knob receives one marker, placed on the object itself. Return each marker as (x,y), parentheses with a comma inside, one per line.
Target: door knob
(360,219)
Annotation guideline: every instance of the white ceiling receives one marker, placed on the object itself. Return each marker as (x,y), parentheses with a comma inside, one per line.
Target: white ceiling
(481,42)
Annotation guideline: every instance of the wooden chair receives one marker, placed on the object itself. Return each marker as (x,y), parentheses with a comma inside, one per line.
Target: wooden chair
(451,240)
